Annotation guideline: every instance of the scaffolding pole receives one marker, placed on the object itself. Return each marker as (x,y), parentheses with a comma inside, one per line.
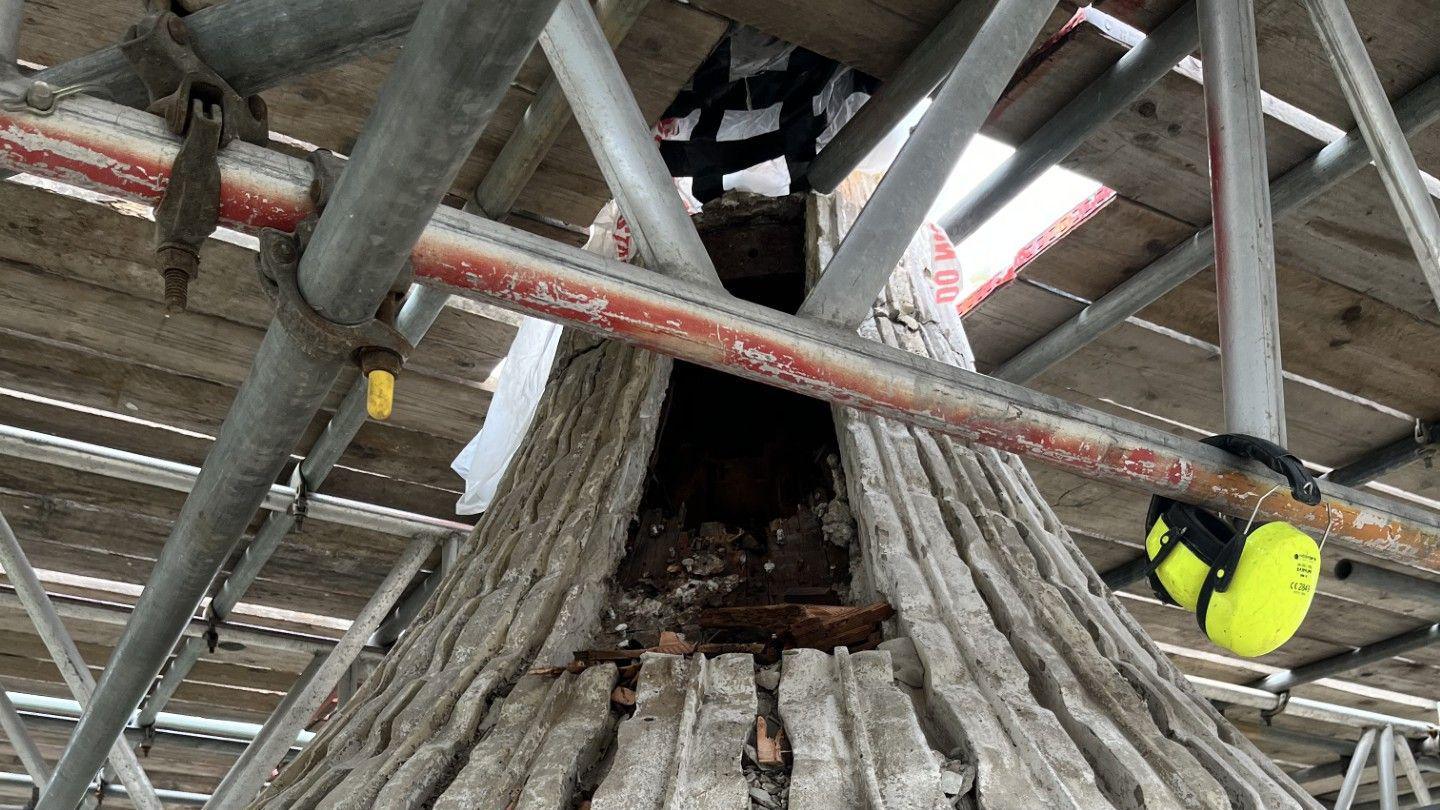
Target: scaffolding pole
(99,460)
(1376,121)
(1132,74)
(1353,774)
(1411,769)
(1377,463)
(1304,708)
(540,128)
(249,772)
(1358,574)
(896,211)
(1288,194)
(124,152)
(222,736)
(20,740)
(71,666)
(300,36)
(922,71)
(12,16)
(1240,201)
(432,108)
(1354,659)
(621,142)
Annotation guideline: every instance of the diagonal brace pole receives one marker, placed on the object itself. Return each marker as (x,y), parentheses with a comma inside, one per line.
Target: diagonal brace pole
(539,129)
(25,749)
(436,101)
(124,152)
(603,103)
(863,262)
(68,661)
(1377,122)
(248,774)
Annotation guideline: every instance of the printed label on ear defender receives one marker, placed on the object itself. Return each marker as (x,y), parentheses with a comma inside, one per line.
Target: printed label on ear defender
(1306,566)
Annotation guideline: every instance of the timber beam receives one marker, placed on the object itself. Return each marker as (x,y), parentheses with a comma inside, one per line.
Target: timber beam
(127,153)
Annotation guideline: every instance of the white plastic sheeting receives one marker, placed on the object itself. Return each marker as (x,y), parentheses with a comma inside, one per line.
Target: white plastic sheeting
(523,372)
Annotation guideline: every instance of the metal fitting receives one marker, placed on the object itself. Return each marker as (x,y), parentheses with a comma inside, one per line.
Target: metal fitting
(376,346)
(205,110)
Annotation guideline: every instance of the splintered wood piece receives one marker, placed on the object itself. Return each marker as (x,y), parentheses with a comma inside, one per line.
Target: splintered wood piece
(623,696)
(851,627)
(768,750)
(753,648)
(819,626)
(673,643)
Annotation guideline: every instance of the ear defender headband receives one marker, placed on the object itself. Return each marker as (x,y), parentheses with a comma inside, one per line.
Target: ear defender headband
(1249,587)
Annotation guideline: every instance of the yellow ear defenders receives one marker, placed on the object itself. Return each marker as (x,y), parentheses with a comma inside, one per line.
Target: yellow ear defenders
(1249,587)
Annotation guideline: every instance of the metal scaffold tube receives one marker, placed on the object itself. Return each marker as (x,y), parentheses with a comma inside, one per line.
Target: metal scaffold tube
(544,121)
(1358,574)
(494,196)
(1354,659)
(20,740)
(300,36)
(1304,708)
(249,772)
(12,16)
(1385,765)
(1132,74)
(432,108)
(1353,774)
(96,459)
(104,146)
(863,262)
(621,142)
(73,671)
(923,70)
(1377,463)
(1411,769)
(1244,242)
(1308,180)
(1376,120)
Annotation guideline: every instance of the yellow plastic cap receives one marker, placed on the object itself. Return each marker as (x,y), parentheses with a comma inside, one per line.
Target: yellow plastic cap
(1273,586)
(380,394)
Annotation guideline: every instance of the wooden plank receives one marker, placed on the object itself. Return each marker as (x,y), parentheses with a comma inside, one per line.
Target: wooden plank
(169,766)
(328,108)
(1293,65)
(1154,152)
(872,35)
(41,306)
(324,569)
(1331,333)
(188,403)
(54,234)
(382,480)
(213,689)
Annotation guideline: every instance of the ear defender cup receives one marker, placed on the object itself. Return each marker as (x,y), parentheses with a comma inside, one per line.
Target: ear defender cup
(1260,602)
(1179,574)
(1249,590)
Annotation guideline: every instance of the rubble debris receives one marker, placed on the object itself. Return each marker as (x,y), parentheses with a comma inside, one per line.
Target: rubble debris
(769,751)
(821,627)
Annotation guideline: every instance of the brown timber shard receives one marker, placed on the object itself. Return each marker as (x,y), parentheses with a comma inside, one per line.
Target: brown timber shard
(1006,658)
